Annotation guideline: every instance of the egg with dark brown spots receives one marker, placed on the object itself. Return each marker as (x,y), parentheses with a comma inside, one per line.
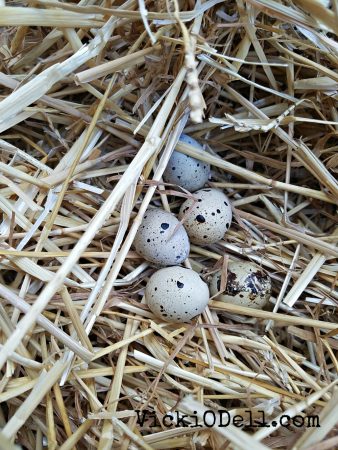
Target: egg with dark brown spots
(157,242)
(246,285)
(209,218)
(176,294)
(185,171)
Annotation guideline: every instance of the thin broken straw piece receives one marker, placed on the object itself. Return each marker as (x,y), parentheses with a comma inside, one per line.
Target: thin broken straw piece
(274,316)
(44,384)
(113,66)
(46,324)
(17,16)
(307,275)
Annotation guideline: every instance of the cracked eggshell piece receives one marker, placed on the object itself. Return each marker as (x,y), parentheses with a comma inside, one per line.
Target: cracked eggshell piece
(247,285)
(210,217)
(185,171)
(176,294)
(156,242)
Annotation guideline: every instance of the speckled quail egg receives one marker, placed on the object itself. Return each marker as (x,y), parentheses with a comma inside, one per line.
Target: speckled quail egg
(185,171)
(210,217)
(246,285)
(176,294)
(157,242)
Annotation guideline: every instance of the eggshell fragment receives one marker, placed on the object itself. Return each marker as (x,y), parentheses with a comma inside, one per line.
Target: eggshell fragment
(156,242)
(246,285)
(210,217)
(176,294)
(185,171)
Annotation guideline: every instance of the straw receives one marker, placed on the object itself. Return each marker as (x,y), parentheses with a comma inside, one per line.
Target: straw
(94,97)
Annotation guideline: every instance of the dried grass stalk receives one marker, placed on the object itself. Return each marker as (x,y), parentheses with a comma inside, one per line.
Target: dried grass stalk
(94,97)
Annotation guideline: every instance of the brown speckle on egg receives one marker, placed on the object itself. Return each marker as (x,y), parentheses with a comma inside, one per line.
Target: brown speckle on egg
(246,285)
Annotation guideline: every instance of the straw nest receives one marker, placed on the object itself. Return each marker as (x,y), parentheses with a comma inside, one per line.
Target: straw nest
(94,96)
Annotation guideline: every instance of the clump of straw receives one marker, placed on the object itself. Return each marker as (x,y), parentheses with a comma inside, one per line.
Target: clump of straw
(93,98)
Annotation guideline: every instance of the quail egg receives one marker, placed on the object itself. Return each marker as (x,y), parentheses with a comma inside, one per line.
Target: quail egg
(246,285)
(210,217)
(157,242)
(185,171)
(176,294)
